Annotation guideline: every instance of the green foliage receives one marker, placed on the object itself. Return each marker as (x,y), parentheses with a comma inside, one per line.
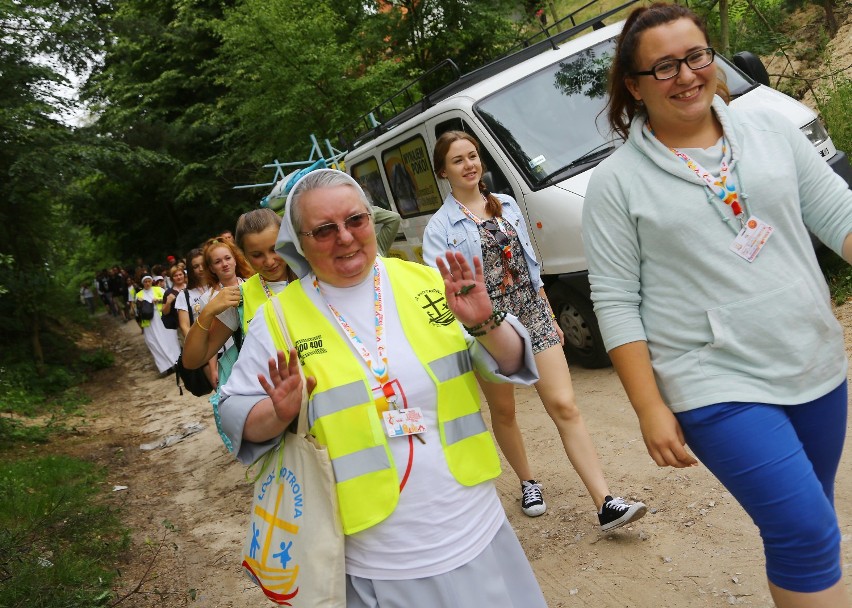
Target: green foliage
(748,31)
(836,108)
(837,273)
(51,392)
(57,537)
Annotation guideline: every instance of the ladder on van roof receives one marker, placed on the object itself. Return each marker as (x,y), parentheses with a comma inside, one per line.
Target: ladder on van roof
(281,179)
(378,119)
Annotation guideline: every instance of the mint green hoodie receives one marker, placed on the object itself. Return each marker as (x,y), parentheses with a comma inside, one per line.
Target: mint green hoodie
(718,327)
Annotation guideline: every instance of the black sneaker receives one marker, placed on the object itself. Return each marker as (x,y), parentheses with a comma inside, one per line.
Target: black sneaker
(617,512)
(532,502)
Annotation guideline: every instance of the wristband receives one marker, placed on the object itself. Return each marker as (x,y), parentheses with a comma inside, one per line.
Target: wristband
(198,322)
(494,320)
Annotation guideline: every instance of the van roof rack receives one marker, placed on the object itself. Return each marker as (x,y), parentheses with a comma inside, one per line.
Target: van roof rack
(283,170)
(373,123)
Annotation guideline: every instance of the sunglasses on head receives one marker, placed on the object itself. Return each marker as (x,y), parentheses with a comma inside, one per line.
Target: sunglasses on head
(352,223)
(499,236)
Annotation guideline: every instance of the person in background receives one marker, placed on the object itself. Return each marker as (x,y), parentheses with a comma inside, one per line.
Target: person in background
(193,298)
(387,226)
(162,343)
(130,298)
(382,352)
(478,223)
(87,297)
(159,272)
(170,313)
(105,293)
(231,310)
(116,289)
(227,235)
(225,269)
(709,295)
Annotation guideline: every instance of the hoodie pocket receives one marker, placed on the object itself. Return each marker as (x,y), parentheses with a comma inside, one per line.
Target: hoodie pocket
(774,336)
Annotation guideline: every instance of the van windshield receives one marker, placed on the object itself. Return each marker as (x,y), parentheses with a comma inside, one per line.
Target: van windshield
(552,124)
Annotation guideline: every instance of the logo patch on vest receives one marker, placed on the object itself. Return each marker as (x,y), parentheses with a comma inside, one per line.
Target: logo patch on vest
(435,304)
(309,346)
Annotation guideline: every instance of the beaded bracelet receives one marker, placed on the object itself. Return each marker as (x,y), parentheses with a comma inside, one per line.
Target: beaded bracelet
(494,320)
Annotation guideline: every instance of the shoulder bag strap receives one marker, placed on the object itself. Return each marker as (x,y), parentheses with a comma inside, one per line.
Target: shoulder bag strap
(188,307)
(302,427)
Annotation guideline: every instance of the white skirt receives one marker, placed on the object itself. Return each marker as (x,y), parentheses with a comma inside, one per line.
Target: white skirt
(162,342)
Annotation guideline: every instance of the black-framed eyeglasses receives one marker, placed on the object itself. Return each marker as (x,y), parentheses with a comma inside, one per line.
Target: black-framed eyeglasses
(330,230)
(494,229)
(670,68)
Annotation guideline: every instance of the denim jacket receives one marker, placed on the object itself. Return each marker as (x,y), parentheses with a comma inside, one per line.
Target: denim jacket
(451,229)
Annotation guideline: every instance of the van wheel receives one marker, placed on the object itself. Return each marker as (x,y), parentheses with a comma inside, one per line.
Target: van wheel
(583,341)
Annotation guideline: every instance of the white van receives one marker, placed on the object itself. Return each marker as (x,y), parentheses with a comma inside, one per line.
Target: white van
(538,115)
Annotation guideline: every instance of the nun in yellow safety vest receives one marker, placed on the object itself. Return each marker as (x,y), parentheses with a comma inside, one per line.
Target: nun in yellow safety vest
(378,336)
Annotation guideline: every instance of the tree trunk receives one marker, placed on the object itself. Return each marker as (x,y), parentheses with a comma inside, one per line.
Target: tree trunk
(555,17)
(830,20)
(724,32)
(35,340)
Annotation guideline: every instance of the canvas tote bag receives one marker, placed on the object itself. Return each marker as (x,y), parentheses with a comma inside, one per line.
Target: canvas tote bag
(294,546)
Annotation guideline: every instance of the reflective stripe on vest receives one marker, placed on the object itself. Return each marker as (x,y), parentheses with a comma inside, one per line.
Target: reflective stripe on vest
(360,463)
(451,366)
(464,427)
(339,398)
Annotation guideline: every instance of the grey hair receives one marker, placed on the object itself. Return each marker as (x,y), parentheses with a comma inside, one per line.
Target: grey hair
(254,222)
(321,179)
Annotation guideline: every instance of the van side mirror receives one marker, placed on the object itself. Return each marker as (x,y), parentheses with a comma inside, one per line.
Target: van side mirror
(752,66)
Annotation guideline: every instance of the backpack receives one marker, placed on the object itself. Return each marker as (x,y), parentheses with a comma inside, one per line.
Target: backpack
(194,380)
(144,310)
(170,320)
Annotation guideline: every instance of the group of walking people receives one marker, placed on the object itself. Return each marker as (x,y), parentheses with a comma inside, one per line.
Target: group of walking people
(725,344)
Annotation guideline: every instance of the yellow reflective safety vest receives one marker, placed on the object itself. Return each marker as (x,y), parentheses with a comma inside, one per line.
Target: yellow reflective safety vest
(254,296)
(158,295)
(346,418)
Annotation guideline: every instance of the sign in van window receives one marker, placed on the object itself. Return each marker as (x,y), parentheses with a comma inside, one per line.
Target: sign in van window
(367,174)
(409,173)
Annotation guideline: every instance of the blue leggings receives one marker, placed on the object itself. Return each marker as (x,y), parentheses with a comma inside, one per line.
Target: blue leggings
(779,462)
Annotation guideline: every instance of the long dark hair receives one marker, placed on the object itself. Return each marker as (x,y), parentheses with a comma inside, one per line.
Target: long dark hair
(493,206)
(622,107)
(191,281)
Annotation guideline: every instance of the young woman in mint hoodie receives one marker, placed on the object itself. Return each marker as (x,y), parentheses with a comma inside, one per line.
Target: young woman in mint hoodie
(710,299)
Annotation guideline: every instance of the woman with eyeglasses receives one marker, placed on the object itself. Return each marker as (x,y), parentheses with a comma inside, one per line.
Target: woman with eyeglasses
(478,223)
(710,299)
(380,341)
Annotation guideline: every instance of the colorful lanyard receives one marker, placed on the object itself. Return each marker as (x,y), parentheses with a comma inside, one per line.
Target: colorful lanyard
(507,248)
(723,186)
(265,287)
(378,368)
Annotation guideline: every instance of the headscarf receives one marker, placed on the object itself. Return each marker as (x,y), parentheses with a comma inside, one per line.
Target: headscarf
(288,245)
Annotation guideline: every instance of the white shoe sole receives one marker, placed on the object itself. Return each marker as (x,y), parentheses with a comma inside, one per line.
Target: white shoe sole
(535,511)
(636,511)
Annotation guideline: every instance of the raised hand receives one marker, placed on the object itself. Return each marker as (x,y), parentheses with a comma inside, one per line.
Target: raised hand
(228,297)
(464,288)
(284,386)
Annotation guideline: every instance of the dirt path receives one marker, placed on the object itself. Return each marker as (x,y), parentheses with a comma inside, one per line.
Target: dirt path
(696,547)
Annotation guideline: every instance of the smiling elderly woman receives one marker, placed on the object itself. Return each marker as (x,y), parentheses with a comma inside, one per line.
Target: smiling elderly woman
(386,333)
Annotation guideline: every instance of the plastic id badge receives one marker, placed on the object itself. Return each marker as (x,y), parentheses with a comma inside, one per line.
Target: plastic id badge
(751,238)
(399,423)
